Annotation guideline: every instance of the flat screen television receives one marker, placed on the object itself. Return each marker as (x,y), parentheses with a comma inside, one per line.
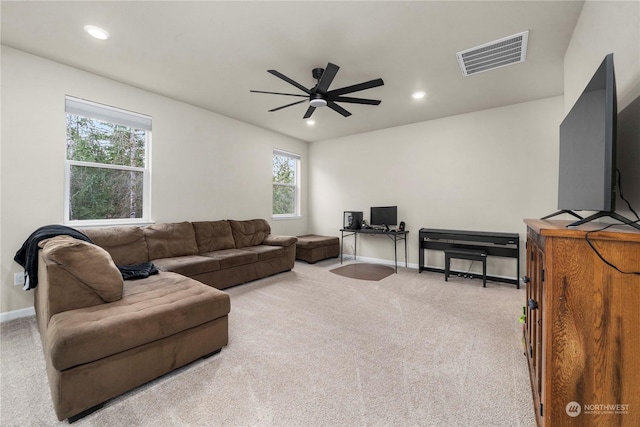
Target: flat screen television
(384,216)
(588,146)
(587,161)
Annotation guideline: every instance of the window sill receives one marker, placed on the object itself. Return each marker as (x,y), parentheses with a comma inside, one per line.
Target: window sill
(109,223)
(285,217)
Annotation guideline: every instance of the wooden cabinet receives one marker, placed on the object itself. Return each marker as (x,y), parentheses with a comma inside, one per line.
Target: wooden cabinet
(582,328)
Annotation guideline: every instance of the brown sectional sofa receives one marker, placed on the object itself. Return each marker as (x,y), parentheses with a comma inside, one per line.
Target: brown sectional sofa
(218,253)
(103,336)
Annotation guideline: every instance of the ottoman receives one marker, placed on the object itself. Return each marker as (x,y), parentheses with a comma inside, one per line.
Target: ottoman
(313,248)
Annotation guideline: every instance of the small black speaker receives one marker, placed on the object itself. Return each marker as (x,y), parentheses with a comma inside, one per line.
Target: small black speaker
(401,226)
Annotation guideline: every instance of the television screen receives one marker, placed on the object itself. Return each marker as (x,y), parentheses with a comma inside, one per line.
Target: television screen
(588,146)
(384,215)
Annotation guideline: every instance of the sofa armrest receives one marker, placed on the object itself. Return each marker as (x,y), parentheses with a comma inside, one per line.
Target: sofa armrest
(285,241)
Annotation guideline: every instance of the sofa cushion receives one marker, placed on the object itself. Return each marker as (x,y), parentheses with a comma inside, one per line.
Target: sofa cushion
(89,263)
(213,235)
(250,232)
(266,252)
(151,309)
(232,257)
(279,240)
(170,240)
(189,265)
(126,245)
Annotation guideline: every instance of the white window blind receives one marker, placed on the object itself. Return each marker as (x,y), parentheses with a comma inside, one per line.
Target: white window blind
(106,113)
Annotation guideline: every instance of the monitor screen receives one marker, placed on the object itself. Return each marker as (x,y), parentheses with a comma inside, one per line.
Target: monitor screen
(384,215)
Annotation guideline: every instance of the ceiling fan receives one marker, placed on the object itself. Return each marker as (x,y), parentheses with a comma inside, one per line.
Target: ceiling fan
(321,96)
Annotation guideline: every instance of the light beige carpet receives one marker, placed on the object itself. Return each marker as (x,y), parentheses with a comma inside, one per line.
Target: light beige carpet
(311,348)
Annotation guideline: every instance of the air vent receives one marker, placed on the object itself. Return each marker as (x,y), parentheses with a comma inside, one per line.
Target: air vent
(500,53)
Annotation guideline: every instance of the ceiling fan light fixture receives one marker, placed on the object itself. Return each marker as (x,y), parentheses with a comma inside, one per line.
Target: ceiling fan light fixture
(318,102)
(321,96)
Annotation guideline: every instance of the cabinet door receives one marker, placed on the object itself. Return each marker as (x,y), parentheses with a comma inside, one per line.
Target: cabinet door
(539,266)
(533,331)
(530,331)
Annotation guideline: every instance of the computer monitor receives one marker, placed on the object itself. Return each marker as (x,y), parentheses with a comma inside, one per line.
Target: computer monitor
(384,216)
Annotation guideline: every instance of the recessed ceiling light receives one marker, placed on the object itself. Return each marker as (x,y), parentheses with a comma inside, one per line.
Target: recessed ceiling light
(418,95)
(97,32)
(311,122)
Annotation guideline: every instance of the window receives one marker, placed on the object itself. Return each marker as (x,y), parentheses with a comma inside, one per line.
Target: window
(107,164)
(286,189)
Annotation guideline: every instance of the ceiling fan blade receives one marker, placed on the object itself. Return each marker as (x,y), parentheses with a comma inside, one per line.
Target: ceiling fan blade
(288,105)
(355,88)
(288,80)
(309,112)
(328,75)
(279,93)
(355,100)
(337,108)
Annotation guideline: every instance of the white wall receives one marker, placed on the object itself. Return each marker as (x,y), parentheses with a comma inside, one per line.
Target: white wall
(480,171)
(604,27)
(204,166)
(611,27)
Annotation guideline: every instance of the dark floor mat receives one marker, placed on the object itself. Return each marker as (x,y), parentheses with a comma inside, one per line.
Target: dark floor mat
(363,271)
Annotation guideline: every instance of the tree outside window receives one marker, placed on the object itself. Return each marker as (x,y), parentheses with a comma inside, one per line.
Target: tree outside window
(285,184)
(107,173)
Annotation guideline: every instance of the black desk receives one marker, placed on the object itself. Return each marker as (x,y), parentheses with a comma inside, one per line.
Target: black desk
(393,235)
(494,244)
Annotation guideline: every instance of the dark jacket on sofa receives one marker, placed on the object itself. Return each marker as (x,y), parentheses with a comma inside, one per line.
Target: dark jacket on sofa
(27,255)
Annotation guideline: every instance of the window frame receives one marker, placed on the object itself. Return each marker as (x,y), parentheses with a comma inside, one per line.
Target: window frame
(105,113)
(296,185)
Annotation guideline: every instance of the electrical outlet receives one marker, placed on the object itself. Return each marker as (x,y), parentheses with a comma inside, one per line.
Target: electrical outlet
(18,279)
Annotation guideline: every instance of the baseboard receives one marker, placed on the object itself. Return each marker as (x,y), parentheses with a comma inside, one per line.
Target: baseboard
(16,314)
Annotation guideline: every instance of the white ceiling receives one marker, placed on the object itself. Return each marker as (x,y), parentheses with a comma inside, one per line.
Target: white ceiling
(211,53)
